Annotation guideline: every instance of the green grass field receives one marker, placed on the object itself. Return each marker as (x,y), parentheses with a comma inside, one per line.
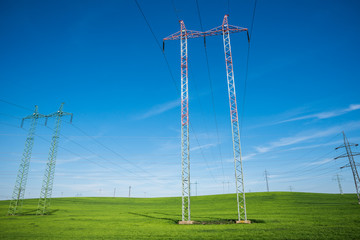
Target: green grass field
(280,215)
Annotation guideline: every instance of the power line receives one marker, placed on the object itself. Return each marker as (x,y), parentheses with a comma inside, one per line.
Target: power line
(247,67)
(203,116)
(109,149)
(202,153)
(15,105)
(158,44)
(211,89)
(8,115)
(89,150)
(175,10)
(163,53)
(308,167)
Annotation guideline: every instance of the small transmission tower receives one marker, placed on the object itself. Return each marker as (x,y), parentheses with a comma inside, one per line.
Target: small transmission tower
(338,179)
(350,155)
(21,179)
(266,179)
(47,185)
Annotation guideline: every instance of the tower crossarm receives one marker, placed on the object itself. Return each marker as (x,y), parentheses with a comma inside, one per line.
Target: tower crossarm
(350,144)
(212,32)
(220,29)
(346,155)
(188,33)
(348,165)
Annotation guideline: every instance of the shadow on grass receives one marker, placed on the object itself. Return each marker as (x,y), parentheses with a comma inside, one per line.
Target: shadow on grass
(149,216)
(33,213)
(216,221)
(225,221)
(257,221)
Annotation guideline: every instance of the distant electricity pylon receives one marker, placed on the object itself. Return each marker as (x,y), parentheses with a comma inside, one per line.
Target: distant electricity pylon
(266,179)
(350,155)
(339,184)
(21,179)
(48,180)
(225,30)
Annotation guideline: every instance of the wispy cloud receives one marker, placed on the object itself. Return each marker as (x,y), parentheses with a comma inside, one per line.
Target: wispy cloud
(324,115)
(158,109)
(326,160)
(303,137)
(205,146)
(73,159)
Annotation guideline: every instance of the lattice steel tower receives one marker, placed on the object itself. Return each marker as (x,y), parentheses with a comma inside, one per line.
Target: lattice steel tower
(183,35)
(47,185)
(21,179)
(350,155)
(225,29)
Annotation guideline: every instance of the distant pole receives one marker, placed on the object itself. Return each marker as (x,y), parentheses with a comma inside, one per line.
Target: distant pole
(129,191)
(114,192)
(145,194)
(350,155)
(223,187)
(196,183)
(290,188)
(267,182)
(339,183)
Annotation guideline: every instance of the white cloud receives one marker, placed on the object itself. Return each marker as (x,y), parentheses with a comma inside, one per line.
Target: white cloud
(158,109)
(324,115)
(303,137)
(205,146)
(326,160)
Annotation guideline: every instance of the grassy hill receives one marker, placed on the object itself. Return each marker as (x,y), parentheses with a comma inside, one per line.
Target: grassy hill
(275,215)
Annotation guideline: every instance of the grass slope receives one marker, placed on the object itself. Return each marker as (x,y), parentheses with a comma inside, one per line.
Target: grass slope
(277,215)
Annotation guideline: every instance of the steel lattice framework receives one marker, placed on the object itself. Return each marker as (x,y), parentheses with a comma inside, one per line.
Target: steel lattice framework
(239,176)
(47,185)
(21,179)
(225,30)
(350,155)
(183,35)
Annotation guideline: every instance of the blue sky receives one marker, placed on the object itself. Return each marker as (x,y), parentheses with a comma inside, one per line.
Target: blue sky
(102,60)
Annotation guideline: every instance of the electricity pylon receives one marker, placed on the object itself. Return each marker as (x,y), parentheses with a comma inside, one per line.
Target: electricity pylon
(183,35)
(266,179)
(21,179)
(225,30)
(48,180)
(339,184)
(350,155)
